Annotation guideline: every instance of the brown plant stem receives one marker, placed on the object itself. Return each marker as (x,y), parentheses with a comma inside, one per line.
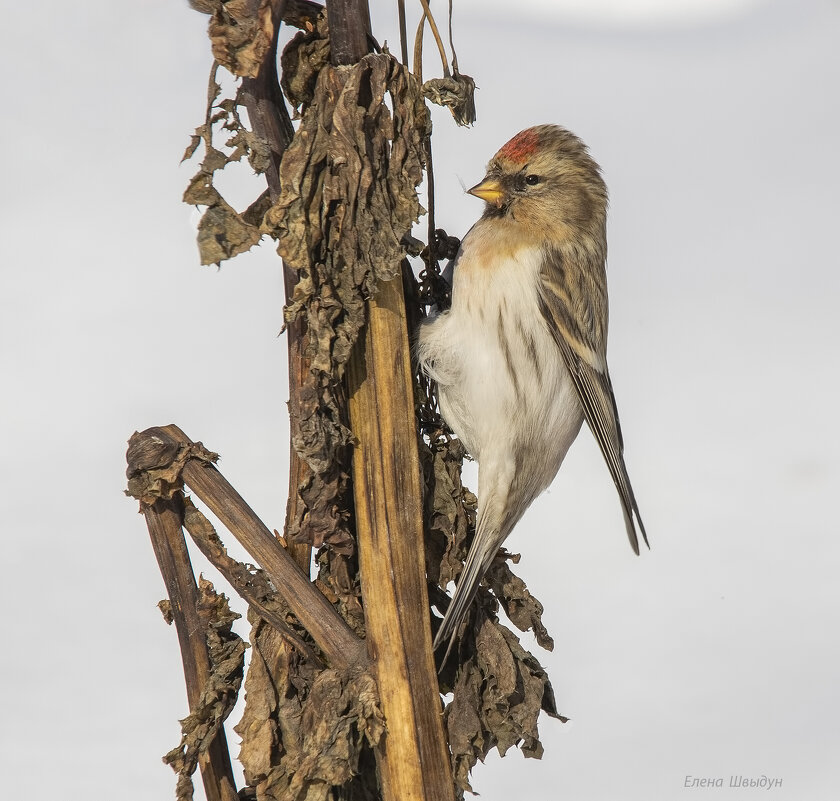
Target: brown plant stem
(270,121)
(413,760)
(164,519)
(389,527)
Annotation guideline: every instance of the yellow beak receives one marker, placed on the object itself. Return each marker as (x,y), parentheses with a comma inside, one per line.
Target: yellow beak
(489,190)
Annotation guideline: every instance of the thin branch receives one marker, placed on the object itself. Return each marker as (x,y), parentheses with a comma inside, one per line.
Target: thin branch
(252,587)
(403,34)
(271,122)
(430,191)
(418,49)
(436,33)
(452,42)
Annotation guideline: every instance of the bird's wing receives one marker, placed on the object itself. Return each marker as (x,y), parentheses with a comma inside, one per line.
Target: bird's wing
(574,304)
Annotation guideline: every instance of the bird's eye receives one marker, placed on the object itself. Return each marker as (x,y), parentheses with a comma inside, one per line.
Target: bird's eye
(532,180)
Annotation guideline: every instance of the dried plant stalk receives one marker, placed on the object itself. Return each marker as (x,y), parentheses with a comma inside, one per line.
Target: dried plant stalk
(163,518)
(389,528)
(161,458)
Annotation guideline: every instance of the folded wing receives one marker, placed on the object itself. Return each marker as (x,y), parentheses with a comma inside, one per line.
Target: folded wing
(574,305)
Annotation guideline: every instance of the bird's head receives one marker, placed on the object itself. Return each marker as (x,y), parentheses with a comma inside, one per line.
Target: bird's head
(545,179)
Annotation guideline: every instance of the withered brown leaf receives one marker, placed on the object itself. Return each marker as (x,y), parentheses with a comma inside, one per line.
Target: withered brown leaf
(218,696)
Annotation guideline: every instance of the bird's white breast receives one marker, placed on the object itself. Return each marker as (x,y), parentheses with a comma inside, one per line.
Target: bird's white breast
(503,385)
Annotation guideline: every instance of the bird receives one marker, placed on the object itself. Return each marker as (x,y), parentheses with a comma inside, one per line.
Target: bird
(519,358)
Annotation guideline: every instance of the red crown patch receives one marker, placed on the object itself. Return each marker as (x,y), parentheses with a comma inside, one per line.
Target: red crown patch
(521,147)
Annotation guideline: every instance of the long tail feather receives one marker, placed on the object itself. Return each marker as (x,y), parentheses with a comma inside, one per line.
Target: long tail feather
(465,592)
(496,517)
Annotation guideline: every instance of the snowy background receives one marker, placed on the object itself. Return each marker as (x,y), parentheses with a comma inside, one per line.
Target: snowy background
(716,654)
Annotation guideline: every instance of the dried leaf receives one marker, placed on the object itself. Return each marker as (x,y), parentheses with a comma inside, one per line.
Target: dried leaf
(270,697)
(302,60)
(218,696)
(247,143)
(200,190)
(325,521)
(297,13)
(523,610)
(457,92)
(348,198)
(338,576)
(499,693)
(155,466)
(240,34)
(304,736)
(222,231)
(195,141)
(165,607)
(205,6)
(254,213)
(449,513)
(223,234)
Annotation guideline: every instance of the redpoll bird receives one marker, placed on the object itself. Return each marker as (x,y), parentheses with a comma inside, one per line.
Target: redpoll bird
(520,357)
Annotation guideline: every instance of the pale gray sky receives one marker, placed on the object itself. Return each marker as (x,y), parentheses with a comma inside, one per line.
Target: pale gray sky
(715,654)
